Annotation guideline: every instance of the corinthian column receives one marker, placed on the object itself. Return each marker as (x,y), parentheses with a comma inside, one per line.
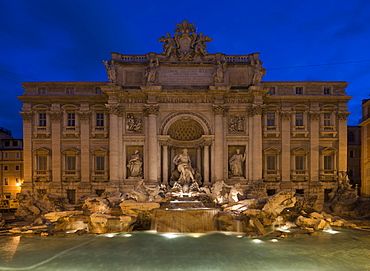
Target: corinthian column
(27,151)
(219,112)
(342,134)
(84,117)
(151,112)
(314,146)
(285,146)
(114,112)
(256,113)
(56,119)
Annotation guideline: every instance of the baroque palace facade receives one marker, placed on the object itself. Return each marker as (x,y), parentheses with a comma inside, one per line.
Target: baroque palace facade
(89,137)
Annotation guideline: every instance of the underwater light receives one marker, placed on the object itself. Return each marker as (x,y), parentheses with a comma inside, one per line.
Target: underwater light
(257,241)
(170,235)
(331,231)
(274,240)
(127,235)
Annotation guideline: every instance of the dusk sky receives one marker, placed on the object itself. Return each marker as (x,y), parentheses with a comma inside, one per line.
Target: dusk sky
(66,40)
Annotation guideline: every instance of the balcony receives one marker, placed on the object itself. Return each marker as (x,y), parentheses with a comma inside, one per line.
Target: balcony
(271,176)
(99,176)
(328,131)
(71,132)
(328,175)
(269,131)
(300,131)
(99,132)
(41,132)
(71,175)
(299,175)
(42,175)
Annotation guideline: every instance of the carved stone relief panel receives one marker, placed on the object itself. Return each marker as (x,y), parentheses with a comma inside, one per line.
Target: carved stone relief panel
(236,124)
(134,123)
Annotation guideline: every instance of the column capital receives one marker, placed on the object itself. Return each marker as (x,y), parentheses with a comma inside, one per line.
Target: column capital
(342,116)
(219,110)
(256,110)
(55,115)
(27,116)
(285,115)
(115,109)
(151,110)
(314,116)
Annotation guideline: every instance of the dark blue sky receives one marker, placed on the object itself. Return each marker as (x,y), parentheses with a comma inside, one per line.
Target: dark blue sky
(66,40)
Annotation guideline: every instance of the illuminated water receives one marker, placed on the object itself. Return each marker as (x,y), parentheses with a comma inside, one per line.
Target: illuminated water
(346,250)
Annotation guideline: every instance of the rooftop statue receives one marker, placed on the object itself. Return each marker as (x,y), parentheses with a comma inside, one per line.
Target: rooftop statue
(186,43)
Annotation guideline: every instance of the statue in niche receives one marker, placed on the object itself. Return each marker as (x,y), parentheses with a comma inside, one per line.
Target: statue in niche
(218,73)
(135,165)
(151,71)
(236,164)
(184,178)
(183,163)
(111,70)
(236,124)
(133,124)
(258,71)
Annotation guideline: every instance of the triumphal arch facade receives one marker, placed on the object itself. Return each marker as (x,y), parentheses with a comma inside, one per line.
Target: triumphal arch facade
(157,108)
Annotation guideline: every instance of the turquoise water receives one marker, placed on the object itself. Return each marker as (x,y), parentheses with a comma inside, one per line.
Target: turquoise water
(346,250)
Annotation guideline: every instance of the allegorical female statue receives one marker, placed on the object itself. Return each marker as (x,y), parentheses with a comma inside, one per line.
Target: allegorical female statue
(135,165)
(236,164)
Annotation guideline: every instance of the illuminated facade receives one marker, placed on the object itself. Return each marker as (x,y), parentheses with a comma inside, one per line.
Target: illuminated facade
(365,149)
(80,137)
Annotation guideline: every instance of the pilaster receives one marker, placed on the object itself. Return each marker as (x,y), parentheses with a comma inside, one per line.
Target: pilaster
(219,112)
(285,146)
(84,117)
(151,112)
(27,151)
(56,118)
(314,164)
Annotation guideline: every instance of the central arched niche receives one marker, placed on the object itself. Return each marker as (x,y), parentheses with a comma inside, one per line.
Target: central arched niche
(185,129)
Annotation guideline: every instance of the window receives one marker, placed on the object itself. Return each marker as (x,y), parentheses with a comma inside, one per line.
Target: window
(299,162)
(351,137)
(17,181)
(15,143)
(70,90)
(6,181)
(70,162)
(41,161)
(6,143)
(16,167)
(327,119)
(5,155)
(299,119)
(41,90)
(328,162)
(272,90)
(71,119)
(6,167)
(299,191)
(100,119)
(100,163)
(270,119)
(42,119)
(351,154)
(326,91)
(271,162)
(98,90)
(71,196)
(271,192)
(299,90)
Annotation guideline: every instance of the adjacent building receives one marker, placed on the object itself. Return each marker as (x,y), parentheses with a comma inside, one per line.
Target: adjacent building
(354,156)
(95,137)
(365,154)
(11,164)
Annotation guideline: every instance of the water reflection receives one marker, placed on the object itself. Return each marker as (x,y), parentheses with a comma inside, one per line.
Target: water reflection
(8,248)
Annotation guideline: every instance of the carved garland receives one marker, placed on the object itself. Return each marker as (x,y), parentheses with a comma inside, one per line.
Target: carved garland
(84,115)
(56,115)
(314,116)
(220,110)
(285,115)
(342,116)
(256,110)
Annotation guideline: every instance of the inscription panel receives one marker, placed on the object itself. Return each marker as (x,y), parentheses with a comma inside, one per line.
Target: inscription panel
(185,77)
